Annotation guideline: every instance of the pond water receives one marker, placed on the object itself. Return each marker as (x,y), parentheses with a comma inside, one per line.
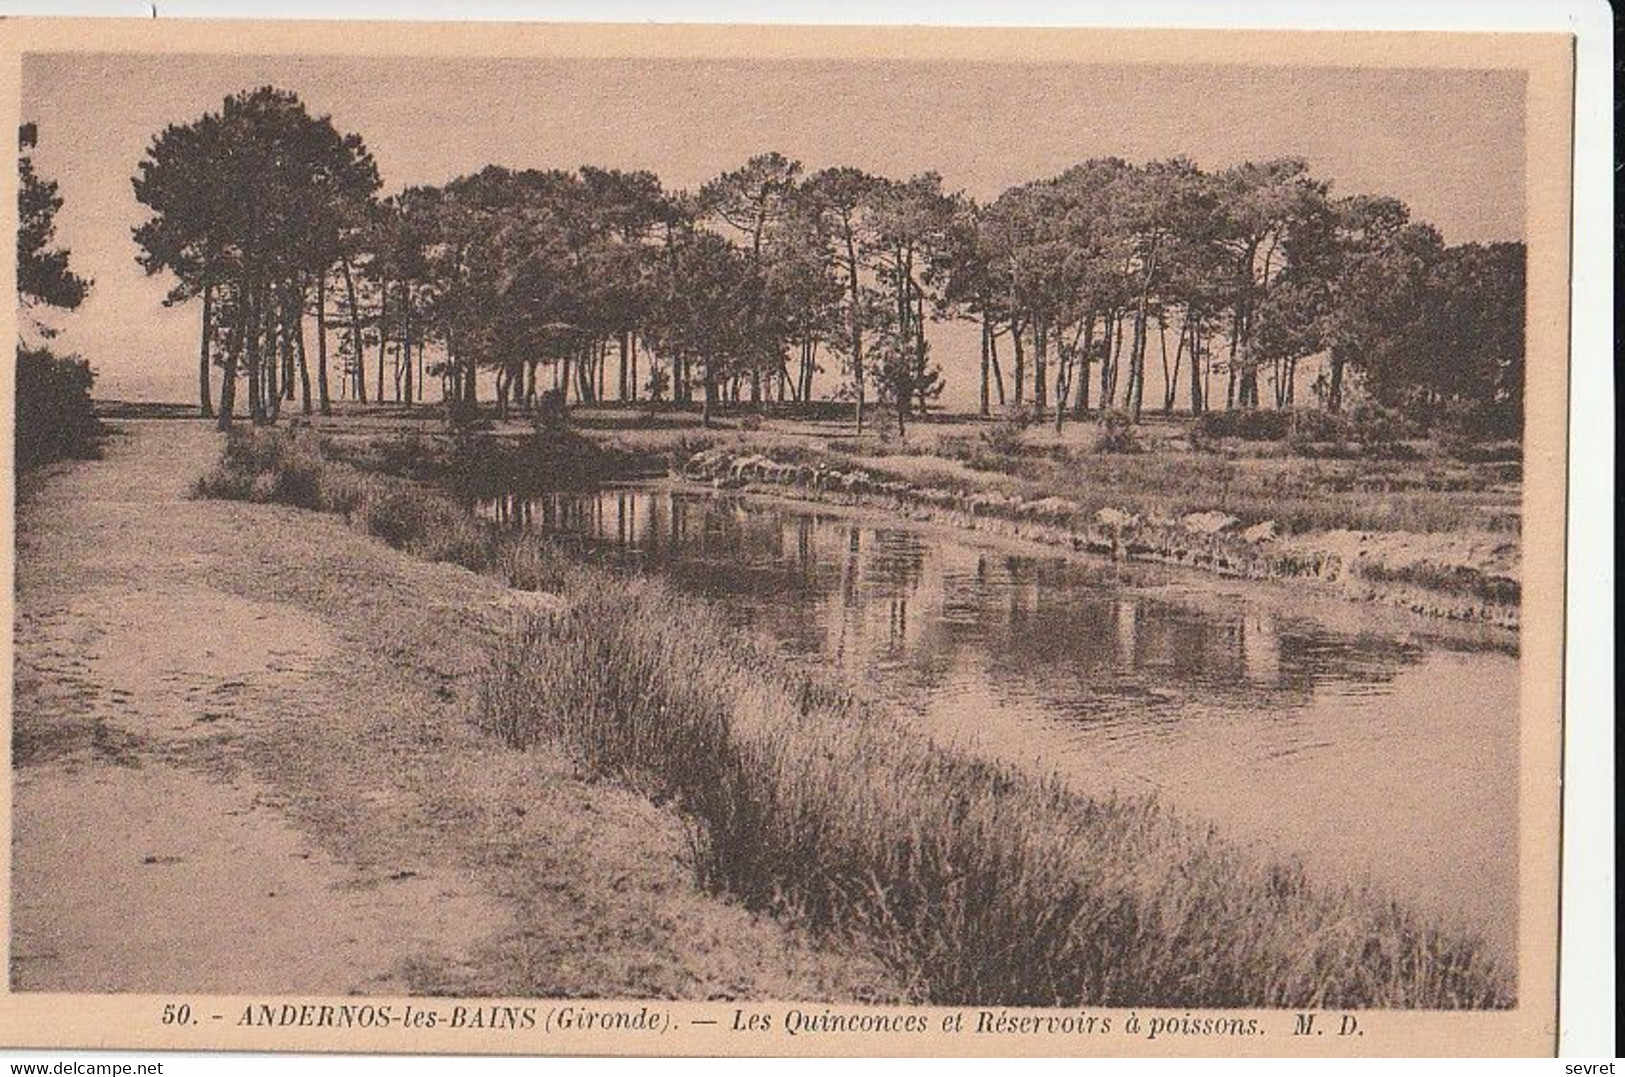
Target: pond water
(1358,743)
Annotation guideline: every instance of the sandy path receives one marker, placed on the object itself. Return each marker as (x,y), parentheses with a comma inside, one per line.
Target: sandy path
(243,762)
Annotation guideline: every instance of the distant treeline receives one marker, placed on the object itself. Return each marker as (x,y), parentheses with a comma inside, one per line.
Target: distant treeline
(602,284)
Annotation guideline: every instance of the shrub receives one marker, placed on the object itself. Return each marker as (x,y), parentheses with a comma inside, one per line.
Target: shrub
(1476,432)
(750,422)
(465,415)
(552,413)
(1007,434)
(1308,428)
(688,445)
(1116,433)
(657,384)
(297,472)
(285,467)
(1246,424)
(1380,431)
(396,517)
(1315,424)
(1454,431)
(407,453)
(224,482)
(453,535)
(1201,440)
(473,460)
(55,419)
(346,490)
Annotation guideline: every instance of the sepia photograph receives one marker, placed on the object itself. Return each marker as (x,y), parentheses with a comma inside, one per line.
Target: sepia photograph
(533,540)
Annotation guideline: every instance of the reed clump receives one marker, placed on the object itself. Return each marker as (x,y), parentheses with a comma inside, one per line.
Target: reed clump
(977,883)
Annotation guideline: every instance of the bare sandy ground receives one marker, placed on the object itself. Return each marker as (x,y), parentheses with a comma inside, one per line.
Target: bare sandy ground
(243,762)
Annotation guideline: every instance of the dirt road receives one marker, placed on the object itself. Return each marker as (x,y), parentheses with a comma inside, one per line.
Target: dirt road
(243,761)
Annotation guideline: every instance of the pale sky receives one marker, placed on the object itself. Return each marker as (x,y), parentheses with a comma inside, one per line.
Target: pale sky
(1449,143)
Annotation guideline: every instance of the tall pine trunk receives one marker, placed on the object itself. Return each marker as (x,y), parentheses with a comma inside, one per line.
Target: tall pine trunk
(857,326)
(1020,372)
(276,356)
(408,328)
(284,312)
(1334,387)
(987,369)
(323,393)
(1114,361)
(920,352)
(255,348)
(228,377)
(383,333)
(1198,394)
(357,352)
(1170,377)
(1040,360)
(205,404)
(1080,405)
(1063,370)
(296,311)
(1136,365)
(993,360)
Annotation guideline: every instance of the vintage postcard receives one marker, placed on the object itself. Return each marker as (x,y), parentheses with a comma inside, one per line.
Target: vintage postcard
(760,540)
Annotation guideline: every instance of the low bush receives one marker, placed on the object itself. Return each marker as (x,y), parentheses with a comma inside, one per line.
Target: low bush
(1376,431)
(552,412)
(1245,424)
(347,491)
(1200,439)
(480,463)
(409,454)
(55,419)
(1116,433)
(1381,431)
(1007,434)
(281,467)
(1474,432)
(465,415)
(1316,425)
(396,516)
(688,445)
(1450,579)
